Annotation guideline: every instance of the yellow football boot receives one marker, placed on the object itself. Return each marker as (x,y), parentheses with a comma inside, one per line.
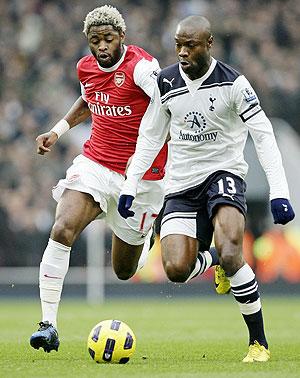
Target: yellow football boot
(257,353)
(222,282)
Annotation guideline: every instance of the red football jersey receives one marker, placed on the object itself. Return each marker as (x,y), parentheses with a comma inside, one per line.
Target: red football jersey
(118,98)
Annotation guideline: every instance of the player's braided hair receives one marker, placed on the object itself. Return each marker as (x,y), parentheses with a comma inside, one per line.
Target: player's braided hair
(105,15)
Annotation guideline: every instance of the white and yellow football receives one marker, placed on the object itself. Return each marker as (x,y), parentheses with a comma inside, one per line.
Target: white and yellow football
(111,341)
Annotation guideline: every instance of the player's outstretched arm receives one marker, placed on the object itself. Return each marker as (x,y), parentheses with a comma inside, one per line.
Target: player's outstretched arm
(261,131)
(271,161)
(78,113)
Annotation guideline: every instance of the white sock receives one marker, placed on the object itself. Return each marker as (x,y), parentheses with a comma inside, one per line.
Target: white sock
(244,287)
(49,311)
(203,262)
(53,268)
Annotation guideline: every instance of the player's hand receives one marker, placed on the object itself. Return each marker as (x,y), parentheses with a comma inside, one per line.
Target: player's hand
(282,210)
(125,202)
(44,141)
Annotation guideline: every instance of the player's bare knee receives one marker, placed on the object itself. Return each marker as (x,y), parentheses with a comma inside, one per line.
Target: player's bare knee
(124,274)
(227,261)
(231,261)
(176,272)
(63,233)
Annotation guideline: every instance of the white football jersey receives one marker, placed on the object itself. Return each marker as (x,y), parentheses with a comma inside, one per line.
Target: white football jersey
(208,120)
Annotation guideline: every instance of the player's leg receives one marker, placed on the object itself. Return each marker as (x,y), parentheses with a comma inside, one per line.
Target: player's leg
(179,256)
(205,259)
(75,210)
(133,237)
(182,260)
(178,219)
(131,240)
(229,224)
(179,244)
(125,257)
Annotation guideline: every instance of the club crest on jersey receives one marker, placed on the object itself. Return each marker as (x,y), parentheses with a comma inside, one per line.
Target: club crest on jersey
(249,95)
(119,78)
(212,100)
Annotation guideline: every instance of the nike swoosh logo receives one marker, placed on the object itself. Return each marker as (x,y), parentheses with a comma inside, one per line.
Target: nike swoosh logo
(47,276)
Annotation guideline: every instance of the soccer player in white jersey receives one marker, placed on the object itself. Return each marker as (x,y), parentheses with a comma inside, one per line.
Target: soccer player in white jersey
(208,108)
(117,82)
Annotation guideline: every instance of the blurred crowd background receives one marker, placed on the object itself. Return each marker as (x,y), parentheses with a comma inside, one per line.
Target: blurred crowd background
(40,44)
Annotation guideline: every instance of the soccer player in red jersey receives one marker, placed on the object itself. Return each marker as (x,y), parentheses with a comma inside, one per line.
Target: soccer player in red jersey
(116,82)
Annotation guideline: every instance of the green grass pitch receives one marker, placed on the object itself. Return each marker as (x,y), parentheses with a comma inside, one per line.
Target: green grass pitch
(197,337)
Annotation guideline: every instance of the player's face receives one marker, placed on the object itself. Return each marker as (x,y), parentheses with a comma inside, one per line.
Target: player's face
(193,51)
(106,44)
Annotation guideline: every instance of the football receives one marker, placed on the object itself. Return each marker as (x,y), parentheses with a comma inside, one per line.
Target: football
(111,341)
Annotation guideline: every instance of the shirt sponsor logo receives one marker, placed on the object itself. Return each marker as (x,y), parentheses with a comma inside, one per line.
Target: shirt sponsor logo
(197,123)
(107,110)
(101,107)
(198,137)
(102,97)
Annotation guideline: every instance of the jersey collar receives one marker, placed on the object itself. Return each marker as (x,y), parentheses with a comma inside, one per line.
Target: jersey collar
(193,85)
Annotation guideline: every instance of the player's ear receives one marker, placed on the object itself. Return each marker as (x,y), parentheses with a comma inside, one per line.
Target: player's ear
(210,41)
(122,36)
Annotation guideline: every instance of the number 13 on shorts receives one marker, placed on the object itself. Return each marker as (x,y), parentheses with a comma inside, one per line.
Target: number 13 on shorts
(227,185)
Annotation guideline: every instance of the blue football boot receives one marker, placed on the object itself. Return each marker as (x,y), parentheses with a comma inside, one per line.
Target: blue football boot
(45,337)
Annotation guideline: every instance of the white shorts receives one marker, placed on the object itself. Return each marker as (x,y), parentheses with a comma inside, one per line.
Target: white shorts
(179,223)
(104,185)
